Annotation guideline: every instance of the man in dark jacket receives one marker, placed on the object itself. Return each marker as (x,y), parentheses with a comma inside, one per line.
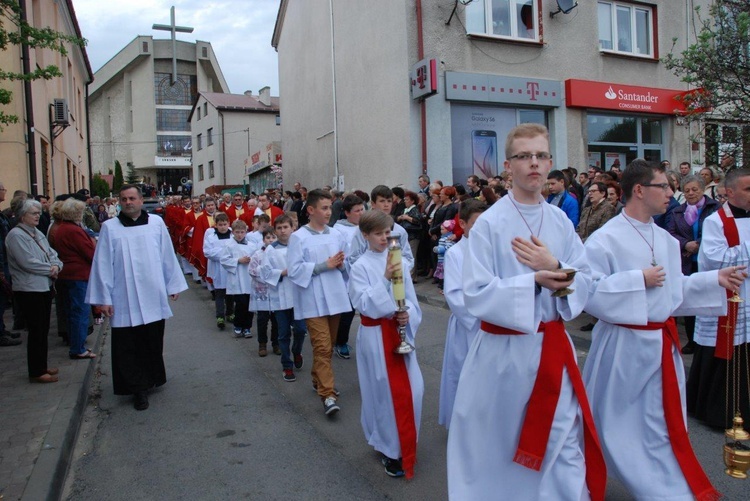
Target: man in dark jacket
(559,196)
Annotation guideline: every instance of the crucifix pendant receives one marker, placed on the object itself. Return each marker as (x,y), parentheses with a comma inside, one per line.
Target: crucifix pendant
(653,262)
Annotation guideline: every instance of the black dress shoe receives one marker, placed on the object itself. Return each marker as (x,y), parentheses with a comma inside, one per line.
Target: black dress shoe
(689,348)
(140,401)
(588,327)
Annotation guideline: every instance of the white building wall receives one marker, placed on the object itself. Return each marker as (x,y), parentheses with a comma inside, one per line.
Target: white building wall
(380,130)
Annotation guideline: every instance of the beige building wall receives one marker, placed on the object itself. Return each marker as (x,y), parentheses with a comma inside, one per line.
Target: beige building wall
(379,124)
(61,164)
(123,104)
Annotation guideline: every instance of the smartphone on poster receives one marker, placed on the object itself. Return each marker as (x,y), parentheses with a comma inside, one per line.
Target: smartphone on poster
(484,153)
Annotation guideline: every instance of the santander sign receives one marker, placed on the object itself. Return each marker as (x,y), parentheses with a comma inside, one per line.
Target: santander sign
(611,96)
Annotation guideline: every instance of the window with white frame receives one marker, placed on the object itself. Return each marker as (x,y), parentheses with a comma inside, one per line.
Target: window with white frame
(626,28)
(511,19)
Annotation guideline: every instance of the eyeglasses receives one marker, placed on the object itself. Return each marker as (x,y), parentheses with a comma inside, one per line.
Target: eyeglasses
(525,157)
(594,191)
(723,197)
(663,186)
(35,213)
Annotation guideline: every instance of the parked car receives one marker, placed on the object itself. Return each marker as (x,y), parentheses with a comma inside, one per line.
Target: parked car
(153,206)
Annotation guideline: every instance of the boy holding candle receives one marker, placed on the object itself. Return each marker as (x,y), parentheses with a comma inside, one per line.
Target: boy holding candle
(391,384)
(316,268)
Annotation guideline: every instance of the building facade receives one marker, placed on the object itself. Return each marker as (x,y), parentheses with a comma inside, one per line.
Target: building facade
(140,117)
(236,139)
(46,152)
(407,86)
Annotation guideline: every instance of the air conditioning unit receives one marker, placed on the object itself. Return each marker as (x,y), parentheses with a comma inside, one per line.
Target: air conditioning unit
(60,112)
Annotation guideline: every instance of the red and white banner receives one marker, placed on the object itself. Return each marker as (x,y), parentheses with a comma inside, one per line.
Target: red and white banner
(614,96)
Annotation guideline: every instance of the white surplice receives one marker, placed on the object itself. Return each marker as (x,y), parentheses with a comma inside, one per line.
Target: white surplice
(462,329)
(324,293)
(359,246)
(273,263)
(623,371)
(500,370)
(371,295)
(715,254)
(135,270)
(213,249)
(238,276)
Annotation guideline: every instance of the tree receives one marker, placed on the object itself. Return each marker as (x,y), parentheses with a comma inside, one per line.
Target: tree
(717,65)
(118,181)
(99,187)
(21,33)
(133,177)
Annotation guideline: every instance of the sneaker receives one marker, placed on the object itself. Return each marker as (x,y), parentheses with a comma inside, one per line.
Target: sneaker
(342,351)
(230,319)
(276,350)
(247,333)
(9,341)
(237,332)
(289,376)
(220,322)
(335,390)
(330,407)
(298,362)
(262,351)
(393,467)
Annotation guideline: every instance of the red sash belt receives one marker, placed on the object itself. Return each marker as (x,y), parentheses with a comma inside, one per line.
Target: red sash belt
(696,478)
(540,412)
(726,324)
(398,380)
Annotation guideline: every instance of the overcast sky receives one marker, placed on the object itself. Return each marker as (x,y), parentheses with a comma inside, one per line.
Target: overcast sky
(239,30)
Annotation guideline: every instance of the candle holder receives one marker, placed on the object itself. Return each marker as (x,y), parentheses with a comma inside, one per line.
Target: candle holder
(399,293)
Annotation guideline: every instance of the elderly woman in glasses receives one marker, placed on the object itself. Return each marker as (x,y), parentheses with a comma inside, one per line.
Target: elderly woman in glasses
(34,266)
(686,226)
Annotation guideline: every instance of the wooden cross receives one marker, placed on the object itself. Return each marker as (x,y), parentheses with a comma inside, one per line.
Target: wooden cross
(172,27)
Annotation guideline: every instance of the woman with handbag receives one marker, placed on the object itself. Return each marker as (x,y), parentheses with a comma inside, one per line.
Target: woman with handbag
(34,266)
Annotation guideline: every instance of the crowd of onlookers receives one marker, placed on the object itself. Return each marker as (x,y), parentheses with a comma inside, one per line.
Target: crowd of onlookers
(46,250)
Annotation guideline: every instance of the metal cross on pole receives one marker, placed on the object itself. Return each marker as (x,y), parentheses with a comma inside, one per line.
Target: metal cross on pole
(172,27)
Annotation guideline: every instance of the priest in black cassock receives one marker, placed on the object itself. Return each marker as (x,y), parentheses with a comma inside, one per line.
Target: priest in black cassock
(134,271)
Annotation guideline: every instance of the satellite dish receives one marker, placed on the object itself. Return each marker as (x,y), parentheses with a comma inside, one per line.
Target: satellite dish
(564,6)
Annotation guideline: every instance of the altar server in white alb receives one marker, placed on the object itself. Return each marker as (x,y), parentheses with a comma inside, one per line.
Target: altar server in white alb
(214,243)
(462,327)
(391,384)
(381,198)
(133,274)
(634,373)
(521,426)
(723,340)
(316,268)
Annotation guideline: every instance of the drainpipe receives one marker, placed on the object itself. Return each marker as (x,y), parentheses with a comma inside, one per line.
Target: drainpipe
(335,110)
(30,134)
(88,136)
(223,152)
(422,105)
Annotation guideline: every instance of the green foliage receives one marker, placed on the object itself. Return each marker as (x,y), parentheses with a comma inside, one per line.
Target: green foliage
(15,31)
(718,62)
(133,176)
(118,181)
(99,187)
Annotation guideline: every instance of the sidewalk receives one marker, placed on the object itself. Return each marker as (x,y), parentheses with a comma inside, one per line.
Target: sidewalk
(39,422)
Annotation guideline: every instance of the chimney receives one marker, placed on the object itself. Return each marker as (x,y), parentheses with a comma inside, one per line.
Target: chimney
(265,95)
(249,93)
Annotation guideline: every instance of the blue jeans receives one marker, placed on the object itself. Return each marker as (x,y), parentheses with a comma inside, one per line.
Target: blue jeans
(289,327)
(78,313)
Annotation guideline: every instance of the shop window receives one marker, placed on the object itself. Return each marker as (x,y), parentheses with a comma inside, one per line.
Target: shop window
(505,19)
(626,29)
(612,129)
